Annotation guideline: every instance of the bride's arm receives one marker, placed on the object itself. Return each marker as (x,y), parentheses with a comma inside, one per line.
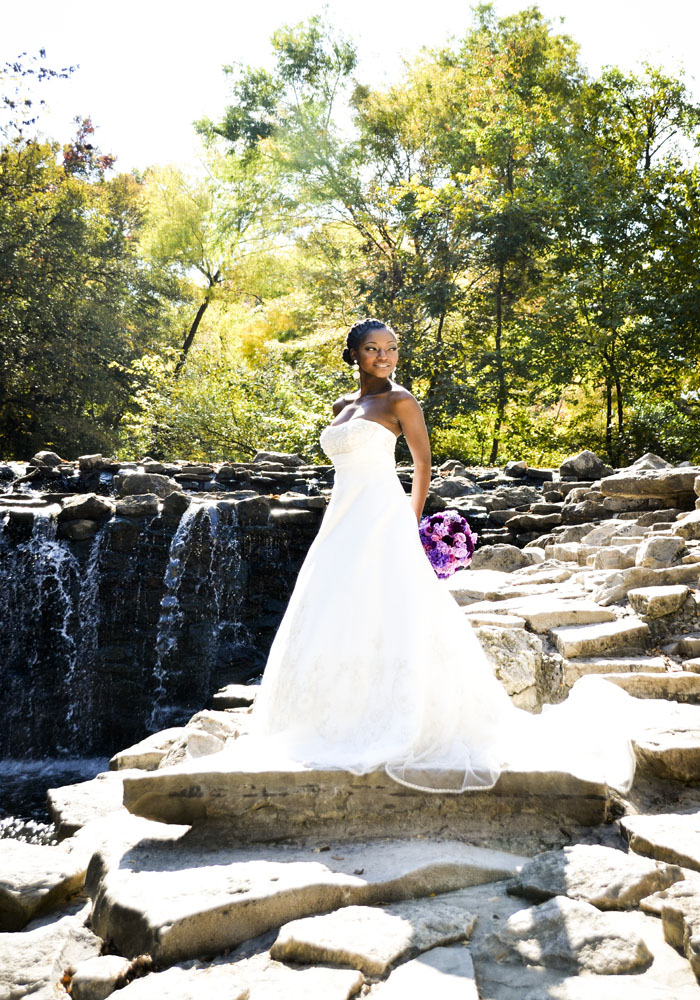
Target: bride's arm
(412,423)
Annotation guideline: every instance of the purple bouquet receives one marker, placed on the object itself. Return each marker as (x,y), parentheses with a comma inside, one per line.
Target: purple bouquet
(448,541)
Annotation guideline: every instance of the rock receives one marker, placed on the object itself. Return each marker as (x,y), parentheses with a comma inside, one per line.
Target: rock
(478,618)
(48,458)
(600,638)
(688,527)
(453,468)
(583,512)
(539,523)
(373,938)
(622,557)
(680,685)
(673,484)
(288,515)
(280,457)
(190,745)
(73,806)
(96,978)
(516,658)
(79,530)
(88,462)
(577,668)
(452,486)
(442,973)
(604,877)
(585,465)
(253,510)
(650,461)
(175,504)
(669,744)
(575,552)
(256,978)
(235,696)
(34,879)
(301,502)
(470,585)
(33,961)
(655,602)
(516,469)
(543,612)
(178,901)
(517,496)
(659,552)
(680,915)
(602,534)
(618,585)
(138,483)
(138,505)
(501,558)
(85,506)
(147,754)
(670,837)
(574,936)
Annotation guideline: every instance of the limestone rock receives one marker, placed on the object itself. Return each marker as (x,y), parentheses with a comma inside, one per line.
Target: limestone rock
(575,936)
(138,483)
(655,602)
(618,585)
(138,505)
(670,837)
(48,458)
(585,465)
(176,902)
(602,876)
(372,938)
(500,557)
(78,530)
(175,504)
(190,745)
(256,978)
(658,552)
(688,527)
(543,612)
(669,744)
(680,915)
(85,506)
(96,978)
(668,484)
(650,461)
(450,487)
(73,806)
(32,961)
(600,638)
(441,973)
(626,665)
(539,523)
(618,557)
(516,469)
(476,585)
(148,753)
(516,658)
(88,462)
(493,618)
(33,880)
(292,461)
(453,467)
(235,696)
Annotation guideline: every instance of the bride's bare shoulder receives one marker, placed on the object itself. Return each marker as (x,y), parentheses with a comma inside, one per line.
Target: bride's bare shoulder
(342,402)
(402,399)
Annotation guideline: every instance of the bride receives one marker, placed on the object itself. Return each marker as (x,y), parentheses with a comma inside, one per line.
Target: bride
(374,665)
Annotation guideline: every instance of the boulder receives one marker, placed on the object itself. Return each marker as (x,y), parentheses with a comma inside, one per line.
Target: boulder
(373,938)
(680,916)
(516,469)
(516,658)
(453,468)
(500,557)
(585,465)
(85,506)
(138,505)
(670,837)
(280,457)
(87,463)
(147,753)
(539,523)
(668,746)
(574,936)
(649,461)
(47,458)
(137,483)
(34,879)
(656,602)
(78,531)
(235,696)
(441,973)
(657,552)
(175,504)
(449,487)
(688,527)
(669,484)
(604,877)
(517,496)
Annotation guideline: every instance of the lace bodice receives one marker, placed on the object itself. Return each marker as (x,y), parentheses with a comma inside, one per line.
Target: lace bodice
(366,437)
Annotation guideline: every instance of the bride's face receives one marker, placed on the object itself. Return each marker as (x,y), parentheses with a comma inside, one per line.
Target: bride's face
(378,353)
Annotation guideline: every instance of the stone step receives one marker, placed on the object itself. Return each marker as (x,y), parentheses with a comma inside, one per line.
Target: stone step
(671,837)
(680,685)
(667,744)
(582,666)
(235,696)
(268,805)
(600,638)
(192,897)
(543,613)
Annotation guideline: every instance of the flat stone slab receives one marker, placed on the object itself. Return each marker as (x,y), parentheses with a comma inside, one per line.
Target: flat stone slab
(33,961)
(372,938)
(543,613)
(603,637)
(235,696)
(97,978)
(74,806)
(680,685)
(477,585)
(655,602)
(670,837)
(604,877)
(180,901)
(480,618)
(147,754)
(668,746)
(574,936)
(299,802)
(256,978)
(441,973)
(582,666)
(33,880)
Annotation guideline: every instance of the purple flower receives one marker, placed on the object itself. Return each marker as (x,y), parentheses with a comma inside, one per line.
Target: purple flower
(448,541)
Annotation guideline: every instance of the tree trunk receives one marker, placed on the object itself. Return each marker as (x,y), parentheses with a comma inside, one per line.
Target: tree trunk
(608,418)
(189,338)
(502,394)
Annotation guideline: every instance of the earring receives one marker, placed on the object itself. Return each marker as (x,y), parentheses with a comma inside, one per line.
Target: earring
(355,370)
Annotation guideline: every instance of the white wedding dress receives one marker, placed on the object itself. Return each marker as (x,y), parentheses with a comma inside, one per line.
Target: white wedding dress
(374,665)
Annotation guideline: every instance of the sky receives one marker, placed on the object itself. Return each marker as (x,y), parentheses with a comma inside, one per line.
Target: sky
(149,68)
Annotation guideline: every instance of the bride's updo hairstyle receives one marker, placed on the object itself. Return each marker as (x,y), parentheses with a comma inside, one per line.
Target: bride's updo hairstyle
(358,332)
